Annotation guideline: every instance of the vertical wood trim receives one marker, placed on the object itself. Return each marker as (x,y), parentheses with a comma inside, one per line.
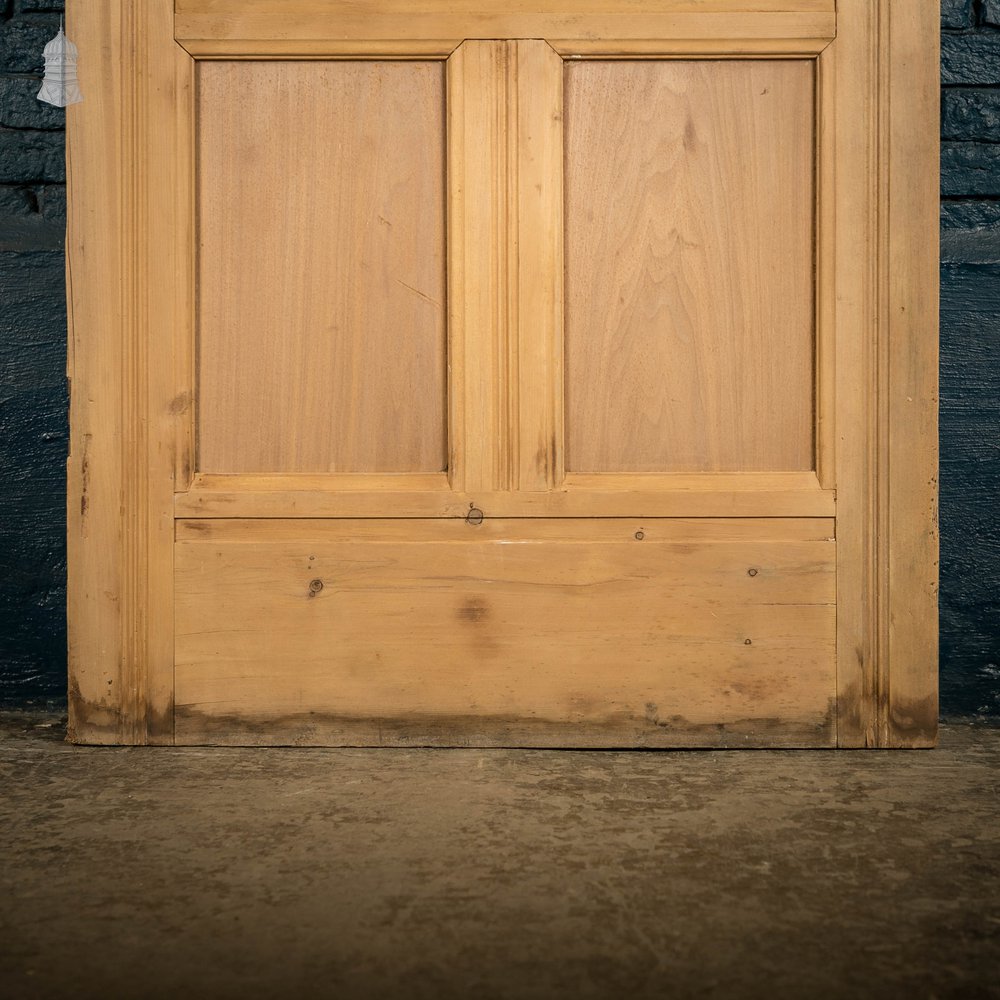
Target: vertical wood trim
(165,259)
(455,265)
(478,254)
(94,257)
(135,387)
(826,277)
(887,196)
(509,343)
(854,58)
(184,406)
(878,529)
(157,239)
(126,316)
(910,466)
(538,140)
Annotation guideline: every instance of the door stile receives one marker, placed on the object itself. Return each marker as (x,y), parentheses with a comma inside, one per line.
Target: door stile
(537,158)
(136,303)
(854,58)
(478,267)
(911,399)
(886,373)
(96,172)
(165,323)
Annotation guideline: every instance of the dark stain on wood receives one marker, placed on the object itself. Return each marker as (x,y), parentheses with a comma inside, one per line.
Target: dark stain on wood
(914,723)
(621,730)
(93,722)
(473,609)
(102,722)
(160,724)
(690,135)
(180,403)
(85,476)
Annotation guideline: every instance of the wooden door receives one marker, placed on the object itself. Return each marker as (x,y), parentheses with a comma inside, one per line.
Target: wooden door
(521,374)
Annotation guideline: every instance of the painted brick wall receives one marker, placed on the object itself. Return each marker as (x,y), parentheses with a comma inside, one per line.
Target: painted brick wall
(970,356)
(33,433)
(32,348)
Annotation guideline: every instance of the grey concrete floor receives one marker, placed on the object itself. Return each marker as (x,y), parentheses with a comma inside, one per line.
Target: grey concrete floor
(497,874)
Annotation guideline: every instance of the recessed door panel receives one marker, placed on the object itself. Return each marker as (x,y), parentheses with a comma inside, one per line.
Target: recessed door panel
(689,266)
(321,316)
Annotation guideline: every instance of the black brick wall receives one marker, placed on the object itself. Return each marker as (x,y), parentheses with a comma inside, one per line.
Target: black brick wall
(970,356)
(33,435)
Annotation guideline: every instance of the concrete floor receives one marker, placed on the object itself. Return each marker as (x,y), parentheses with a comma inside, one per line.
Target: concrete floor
(497,874)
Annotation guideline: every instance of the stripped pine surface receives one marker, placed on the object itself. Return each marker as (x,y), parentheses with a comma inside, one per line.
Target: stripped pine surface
(689,266)
(302,363)
(441,561)
(655,635)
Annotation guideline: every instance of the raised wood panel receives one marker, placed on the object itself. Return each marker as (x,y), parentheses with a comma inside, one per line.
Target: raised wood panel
(388,634)
(322,308)
(689,266)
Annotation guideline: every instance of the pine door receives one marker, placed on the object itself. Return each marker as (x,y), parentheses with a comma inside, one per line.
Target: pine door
(515,374)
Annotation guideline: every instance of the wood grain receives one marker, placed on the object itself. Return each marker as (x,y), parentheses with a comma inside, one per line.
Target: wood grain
(678,530)
(162,335)
(414,8)
(95,261)
(479,97)
(440,20)
(321,267)
(826,269)
(852,61)
(551,623)
(319,48)
(537,215)
(887,197)
(253,497)
(689,266)
(129,323)
(586,624)
(911,298)
(718,47)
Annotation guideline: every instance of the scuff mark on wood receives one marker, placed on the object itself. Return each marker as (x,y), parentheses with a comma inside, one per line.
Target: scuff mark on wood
(85,477)
(416,291)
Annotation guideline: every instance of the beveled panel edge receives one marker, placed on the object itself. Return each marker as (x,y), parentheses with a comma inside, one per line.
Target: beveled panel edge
(691,48)
(333,482)
(761,482)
